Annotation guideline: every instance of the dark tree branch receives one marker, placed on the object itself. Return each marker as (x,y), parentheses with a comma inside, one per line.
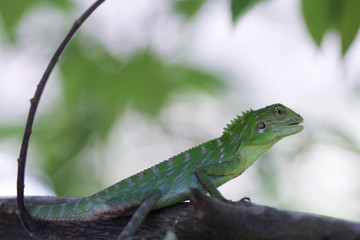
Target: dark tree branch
(247,221)
(210,219)
(24,215)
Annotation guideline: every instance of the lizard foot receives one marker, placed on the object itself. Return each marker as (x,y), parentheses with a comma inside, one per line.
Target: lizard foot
(246,200)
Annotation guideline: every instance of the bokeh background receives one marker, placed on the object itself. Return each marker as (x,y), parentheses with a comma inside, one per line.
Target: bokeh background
(145,80)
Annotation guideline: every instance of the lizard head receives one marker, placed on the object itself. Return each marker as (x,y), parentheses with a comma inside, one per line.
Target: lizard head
(272,123)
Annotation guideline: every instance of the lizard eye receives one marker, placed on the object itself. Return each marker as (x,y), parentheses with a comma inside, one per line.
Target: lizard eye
(261,127)
(279,111)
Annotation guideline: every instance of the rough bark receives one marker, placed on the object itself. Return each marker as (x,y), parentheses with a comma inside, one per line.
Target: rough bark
(205,218)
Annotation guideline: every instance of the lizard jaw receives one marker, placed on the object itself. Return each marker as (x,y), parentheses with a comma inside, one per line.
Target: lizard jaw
(294,123)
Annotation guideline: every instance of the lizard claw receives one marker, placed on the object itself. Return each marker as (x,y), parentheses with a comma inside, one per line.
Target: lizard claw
(246,200)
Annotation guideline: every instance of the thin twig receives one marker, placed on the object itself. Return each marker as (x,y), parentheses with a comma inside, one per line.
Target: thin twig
(25,217)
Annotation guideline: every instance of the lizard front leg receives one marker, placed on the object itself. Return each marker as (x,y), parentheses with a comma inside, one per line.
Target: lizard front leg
(140,214)
(221,169)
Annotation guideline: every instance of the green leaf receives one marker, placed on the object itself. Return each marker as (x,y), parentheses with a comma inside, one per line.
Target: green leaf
(349,23)
(341,16)
(188,8)
(239,7)
(12,12)
(317,19)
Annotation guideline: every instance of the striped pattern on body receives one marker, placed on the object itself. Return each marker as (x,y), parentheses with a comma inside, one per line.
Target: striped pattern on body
(208,165)
(172,177)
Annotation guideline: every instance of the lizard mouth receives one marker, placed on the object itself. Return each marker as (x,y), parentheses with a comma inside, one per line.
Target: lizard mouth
(295,126)
(294,123)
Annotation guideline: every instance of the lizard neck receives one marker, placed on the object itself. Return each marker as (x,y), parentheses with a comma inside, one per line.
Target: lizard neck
(235,134)
(248,154)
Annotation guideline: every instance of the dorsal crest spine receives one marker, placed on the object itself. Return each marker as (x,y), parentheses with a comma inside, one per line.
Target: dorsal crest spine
(237,120)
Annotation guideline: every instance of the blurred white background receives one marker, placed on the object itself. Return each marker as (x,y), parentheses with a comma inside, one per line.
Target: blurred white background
(268,56)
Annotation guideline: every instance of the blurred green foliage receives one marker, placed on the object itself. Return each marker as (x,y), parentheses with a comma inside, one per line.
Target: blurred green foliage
(188,8)
(340,16)
(97,88)
(12,12)
(239,7)
(96,91)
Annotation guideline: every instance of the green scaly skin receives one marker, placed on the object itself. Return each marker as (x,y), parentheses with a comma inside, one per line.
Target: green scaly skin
(204,167)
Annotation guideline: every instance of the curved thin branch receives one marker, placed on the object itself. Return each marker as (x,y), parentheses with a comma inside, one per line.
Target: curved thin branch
(23,214)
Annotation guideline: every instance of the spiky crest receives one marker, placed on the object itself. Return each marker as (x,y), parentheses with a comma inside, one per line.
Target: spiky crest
(237,120)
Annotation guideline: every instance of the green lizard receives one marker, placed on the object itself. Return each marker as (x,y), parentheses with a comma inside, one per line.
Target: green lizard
(204,167)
